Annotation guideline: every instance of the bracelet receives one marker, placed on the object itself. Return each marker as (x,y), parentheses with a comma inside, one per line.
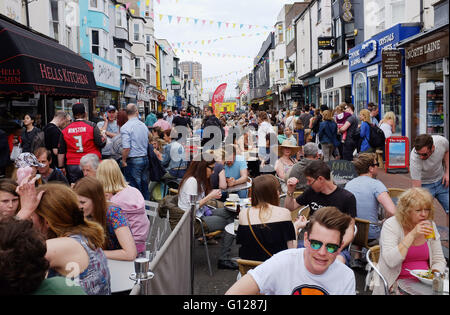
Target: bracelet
(290,194)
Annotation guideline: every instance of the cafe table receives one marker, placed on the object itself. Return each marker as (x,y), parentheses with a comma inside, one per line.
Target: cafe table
(415,287)
(120,272)
(244,186)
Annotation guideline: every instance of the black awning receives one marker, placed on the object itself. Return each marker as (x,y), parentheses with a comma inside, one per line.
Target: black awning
(34,63)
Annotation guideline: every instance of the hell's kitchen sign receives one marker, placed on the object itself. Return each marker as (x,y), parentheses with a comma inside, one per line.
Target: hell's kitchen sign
(62,74)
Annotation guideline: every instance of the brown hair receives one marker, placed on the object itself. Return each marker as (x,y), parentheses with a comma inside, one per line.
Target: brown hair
(90,187)
(122,117)
(424,140)
(265,191)
(262,115)
(60,208)
(197,169)
(363,161)
(8,185)
(327,115)
(331,218)
(410,200)
(39,151)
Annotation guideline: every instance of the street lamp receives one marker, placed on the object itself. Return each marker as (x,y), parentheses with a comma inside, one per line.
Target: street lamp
(288,63)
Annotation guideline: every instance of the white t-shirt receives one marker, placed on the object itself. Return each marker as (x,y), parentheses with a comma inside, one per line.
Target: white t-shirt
(285,274)
(188,188)
(263,130)
(432,169)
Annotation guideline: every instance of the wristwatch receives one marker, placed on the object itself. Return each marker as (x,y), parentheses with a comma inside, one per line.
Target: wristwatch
(290,194)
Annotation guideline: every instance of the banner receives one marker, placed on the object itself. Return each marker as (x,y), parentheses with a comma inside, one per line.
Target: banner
(218,97)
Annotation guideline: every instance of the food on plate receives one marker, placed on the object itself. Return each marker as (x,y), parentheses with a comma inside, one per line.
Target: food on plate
(426,275)
(229,204)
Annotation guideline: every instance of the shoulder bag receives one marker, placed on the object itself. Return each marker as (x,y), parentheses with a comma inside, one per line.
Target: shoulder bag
(254,235)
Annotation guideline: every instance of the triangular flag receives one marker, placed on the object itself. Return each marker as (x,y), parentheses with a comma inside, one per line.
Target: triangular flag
(203,21)
(178,19)
(158,1)
(147,3)
(127,5)
(160,17)
(219,23)
(195,21)
(242,25)
(226,24)
(170,18)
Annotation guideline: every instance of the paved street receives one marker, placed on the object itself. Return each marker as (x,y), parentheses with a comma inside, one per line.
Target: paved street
(221,280)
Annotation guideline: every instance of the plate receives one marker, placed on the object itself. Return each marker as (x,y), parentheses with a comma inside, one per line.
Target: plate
(418,272)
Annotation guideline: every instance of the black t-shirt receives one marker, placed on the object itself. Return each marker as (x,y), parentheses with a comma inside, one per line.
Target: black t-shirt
(215,175)
(342,199)
(52,135)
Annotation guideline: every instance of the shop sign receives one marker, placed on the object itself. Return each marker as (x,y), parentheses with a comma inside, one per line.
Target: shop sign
(391,63)
(369,52)
(427,50)
(296,91)
(106,74)
(131,91)
(347,15)
(329,83)
(326,42)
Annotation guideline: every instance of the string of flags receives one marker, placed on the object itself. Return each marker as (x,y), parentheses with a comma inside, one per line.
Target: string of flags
(213,40)
(210,54)
(207,22)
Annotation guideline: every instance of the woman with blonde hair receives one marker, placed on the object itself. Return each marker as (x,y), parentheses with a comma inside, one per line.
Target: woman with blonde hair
(128,198)
(74,245)
(387,124)
(364,133)
(119,242)
(406,240)
(271,224)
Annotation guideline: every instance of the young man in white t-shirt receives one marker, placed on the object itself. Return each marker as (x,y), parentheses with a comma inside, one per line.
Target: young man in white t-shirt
(312,270)
(429,166)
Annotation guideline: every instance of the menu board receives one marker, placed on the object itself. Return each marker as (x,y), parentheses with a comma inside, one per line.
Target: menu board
(342,171)
(397,155)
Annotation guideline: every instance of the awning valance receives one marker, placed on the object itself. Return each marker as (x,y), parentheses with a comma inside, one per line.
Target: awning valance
(33,63)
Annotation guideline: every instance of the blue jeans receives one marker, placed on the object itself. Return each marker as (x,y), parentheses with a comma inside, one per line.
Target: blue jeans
(136,174)
(438,191)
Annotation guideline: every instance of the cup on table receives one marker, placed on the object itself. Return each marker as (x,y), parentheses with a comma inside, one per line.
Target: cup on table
(234,197)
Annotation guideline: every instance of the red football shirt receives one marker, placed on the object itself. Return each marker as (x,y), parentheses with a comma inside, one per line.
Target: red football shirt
(78,141)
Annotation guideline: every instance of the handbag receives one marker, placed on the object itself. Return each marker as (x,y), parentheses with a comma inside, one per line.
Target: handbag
(15,152)
(253,233)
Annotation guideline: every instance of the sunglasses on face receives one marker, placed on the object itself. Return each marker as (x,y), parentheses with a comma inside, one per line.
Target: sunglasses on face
(375,164)
(424,154)
(316,245)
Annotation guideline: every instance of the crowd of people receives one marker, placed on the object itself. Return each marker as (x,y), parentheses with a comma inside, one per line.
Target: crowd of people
(83,186)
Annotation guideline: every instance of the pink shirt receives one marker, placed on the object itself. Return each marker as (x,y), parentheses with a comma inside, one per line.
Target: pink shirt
(163,124)
(416,258)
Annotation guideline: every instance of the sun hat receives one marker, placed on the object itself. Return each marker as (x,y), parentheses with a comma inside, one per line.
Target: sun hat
(288,144)
(27,159)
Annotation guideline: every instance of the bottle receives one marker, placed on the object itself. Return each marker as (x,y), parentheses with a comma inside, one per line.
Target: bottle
(236,219)
(438,283)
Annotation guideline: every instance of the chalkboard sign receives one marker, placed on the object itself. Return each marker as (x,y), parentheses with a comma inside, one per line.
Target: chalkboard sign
(342,171)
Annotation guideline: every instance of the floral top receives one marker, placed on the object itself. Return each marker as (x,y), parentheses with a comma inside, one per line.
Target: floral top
(114,220)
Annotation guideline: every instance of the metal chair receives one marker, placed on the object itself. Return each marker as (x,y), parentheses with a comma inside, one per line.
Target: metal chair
(372,256)
(361,234)
(205,241)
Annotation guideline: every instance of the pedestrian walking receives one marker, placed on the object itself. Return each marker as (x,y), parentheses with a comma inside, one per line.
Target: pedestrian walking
(134,135)
(52,135)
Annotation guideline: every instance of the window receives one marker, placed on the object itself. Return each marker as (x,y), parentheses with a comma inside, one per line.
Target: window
(281,62)
(337,28)
(137,35)
(93,4)
(69,43)
(147,11)
(148,43)
(137,67)
(319,10)
(105,45)
(118,18)
(54,20)
(105,7)
(280,33)
(360,92)
(147,72)
(95,42)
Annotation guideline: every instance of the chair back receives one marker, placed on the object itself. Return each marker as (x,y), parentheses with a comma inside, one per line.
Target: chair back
(245,265)
(395,192)
(362,234)
(372,256)
(304,211)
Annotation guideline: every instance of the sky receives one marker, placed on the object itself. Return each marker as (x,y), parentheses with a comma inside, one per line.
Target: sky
(206,32)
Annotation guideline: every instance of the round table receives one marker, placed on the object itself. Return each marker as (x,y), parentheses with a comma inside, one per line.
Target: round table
(229,228)
(243,186)
(415,287)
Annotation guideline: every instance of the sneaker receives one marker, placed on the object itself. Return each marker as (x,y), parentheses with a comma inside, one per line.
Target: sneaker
(227,264)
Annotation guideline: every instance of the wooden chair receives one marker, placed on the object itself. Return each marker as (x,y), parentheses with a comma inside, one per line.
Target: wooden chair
(395,192)
(379,154)
(245,265)
(361,236)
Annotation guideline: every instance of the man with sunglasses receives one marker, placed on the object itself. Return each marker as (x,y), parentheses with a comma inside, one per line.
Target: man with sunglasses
(429,166)
(323,192)
(313,270)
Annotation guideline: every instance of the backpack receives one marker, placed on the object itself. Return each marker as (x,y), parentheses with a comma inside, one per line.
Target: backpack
(377,137)
(38,141)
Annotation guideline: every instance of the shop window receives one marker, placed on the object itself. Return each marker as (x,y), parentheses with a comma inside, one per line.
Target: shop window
(373,90)
(360,91)
(54,20)
(336,98)
(428,100)
(392,101)
(95,42)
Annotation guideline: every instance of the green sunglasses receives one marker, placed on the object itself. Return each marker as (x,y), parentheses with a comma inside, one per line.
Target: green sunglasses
(316,245)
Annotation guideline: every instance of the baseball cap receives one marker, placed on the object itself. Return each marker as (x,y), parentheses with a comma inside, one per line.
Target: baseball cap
(111,108)
(78,108)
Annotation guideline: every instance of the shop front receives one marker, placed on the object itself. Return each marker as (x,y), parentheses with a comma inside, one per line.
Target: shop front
(39,76)
(368,82)
(427,61)
(335,84)
(131,91)
(311,89)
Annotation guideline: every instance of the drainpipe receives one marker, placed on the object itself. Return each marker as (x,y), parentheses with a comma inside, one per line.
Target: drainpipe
(421,14)
(27,13)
